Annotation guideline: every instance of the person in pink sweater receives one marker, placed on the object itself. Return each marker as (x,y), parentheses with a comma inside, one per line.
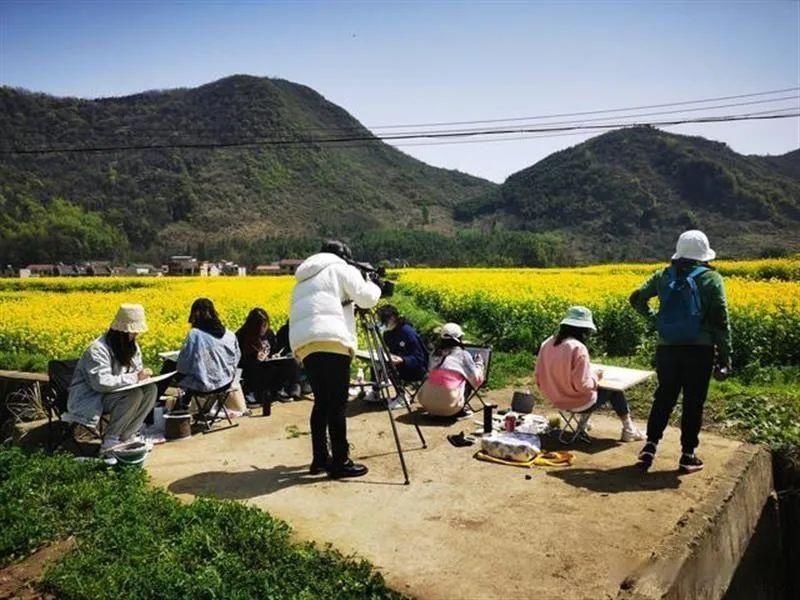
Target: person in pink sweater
(566,378)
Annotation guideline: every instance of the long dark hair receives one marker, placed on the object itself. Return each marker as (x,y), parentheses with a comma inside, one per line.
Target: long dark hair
(249,333)
(570,331)
(122,347)
(204,317)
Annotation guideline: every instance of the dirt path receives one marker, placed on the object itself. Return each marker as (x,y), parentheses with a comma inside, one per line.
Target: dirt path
(18,581)
(463,528)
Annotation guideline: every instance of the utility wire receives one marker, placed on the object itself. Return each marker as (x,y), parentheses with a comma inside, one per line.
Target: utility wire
(514,138)
(521,119)
(796,105)
(398,137)
(591,112)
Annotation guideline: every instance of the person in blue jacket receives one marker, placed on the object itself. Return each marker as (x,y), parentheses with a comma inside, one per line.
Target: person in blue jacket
(408,351)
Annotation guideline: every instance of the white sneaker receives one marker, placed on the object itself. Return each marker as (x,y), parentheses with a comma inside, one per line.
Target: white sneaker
(138,437)
(632,435)
(109,443)
(371,396)
(396,403)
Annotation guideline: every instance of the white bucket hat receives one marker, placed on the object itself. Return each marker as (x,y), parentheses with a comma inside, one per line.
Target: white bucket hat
(579,316)
(693,244)
(130,319)
(452,331)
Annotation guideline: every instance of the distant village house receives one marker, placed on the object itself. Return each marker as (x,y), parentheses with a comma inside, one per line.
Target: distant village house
(183,265)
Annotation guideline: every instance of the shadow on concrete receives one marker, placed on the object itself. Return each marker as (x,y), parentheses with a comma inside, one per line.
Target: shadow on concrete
(423,419)
(629,478)
(550,444)
(358,406)
(244,484)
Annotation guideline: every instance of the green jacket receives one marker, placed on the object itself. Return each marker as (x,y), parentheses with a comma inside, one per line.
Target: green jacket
(715,327)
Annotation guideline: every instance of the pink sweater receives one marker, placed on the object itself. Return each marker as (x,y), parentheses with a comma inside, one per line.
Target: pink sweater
(564,376)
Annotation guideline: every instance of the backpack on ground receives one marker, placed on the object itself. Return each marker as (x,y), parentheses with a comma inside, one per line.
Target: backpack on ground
(680,313)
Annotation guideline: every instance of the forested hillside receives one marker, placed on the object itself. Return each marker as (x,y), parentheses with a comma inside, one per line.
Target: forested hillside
(628,193)
(166,200)
(624,195)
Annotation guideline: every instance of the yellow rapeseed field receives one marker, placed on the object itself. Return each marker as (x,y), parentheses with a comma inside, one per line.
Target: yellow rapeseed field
(60,324)
(57,318)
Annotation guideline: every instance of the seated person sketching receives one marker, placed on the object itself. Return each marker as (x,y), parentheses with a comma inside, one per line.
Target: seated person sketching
(263,379)
(565,377)
(296,384)
(443,393)
(209,357)
(112,361)
(408,352)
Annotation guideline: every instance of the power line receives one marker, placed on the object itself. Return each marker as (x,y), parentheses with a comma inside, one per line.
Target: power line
(398,137)
(652,114)
(590,112)
(520,119)
(514,138)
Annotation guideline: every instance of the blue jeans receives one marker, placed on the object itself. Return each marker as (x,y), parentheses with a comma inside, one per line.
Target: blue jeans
(615,398)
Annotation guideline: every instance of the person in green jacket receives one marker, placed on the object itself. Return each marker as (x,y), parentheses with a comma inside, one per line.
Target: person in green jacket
(687,352)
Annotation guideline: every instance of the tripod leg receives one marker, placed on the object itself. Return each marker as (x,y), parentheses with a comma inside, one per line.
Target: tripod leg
(414,419)
(397,443)
(377,356)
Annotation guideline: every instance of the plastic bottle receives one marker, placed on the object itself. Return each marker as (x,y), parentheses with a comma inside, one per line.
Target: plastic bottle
(360,375)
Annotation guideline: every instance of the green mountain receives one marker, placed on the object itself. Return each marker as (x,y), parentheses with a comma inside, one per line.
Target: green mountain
(622,195)
(627,194)
(169,200)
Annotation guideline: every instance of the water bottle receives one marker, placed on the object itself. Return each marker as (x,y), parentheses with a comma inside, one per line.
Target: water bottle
(360,375)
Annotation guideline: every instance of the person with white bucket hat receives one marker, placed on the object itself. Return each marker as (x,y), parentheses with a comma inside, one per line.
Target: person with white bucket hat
(112,361)
(565,377)
(694,335)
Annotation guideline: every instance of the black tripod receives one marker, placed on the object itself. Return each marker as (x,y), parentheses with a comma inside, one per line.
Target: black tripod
(386,377)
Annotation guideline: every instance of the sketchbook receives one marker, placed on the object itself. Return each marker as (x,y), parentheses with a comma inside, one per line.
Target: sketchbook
(620,378)
(147,381)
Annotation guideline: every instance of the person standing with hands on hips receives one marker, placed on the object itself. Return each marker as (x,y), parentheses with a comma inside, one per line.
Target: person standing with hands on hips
(694,336)
(322,333)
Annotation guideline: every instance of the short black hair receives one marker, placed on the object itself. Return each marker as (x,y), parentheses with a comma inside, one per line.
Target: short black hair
(338,248)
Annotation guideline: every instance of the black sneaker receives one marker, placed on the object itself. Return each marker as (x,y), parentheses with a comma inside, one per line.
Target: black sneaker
(348,469)
(646,455)
(689,463)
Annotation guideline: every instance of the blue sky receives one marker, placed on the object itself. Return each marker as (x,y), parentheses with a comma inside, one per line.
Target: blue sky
(412,62)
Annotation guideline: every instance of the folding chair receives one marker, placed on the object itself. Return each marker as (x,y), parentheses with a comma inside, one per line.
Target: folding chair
(575,424)
(209,406)
(485,352)
(54,401)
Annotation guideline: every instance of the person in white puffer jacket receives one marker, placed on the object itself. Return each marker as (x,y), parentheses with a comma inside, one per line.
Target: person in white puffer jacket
(322,333)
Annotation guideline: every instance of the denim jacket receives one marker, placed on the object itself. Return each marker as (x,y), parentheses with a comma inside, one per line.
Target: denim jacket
(98,373)
(206,362)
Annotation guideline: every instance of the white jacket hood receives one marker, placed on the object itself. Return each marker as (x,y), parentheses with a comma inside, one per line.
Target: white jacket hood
(323,300)
(314,264)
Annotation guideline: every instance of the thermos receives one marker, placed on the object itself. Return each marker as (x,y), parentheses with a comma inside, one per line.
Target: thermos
(487,417)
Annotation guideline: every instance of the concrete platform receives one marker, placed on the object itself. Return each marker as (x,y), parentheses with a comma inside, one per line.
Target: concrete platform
(468,529)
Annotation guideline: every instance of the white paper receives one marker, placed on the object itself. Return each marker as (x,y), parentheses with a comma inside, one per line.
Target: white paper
(147,381)
(620,378)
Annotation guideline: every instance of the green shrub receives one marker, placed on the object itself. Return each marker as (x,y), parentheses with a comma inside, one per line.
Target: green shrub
(134,541)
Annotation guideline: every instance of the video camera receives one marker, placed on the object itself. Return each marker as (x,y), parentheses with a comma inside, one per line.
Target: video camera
(376,276)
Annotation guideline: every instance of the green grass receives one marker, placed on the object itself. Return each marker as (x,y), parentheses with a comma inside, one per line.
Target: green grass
(135,541)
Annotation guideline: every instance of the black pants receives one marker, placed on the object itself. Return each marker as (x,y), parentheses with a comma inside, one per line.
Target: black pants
(330,379)
(687,369)
(265,379)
